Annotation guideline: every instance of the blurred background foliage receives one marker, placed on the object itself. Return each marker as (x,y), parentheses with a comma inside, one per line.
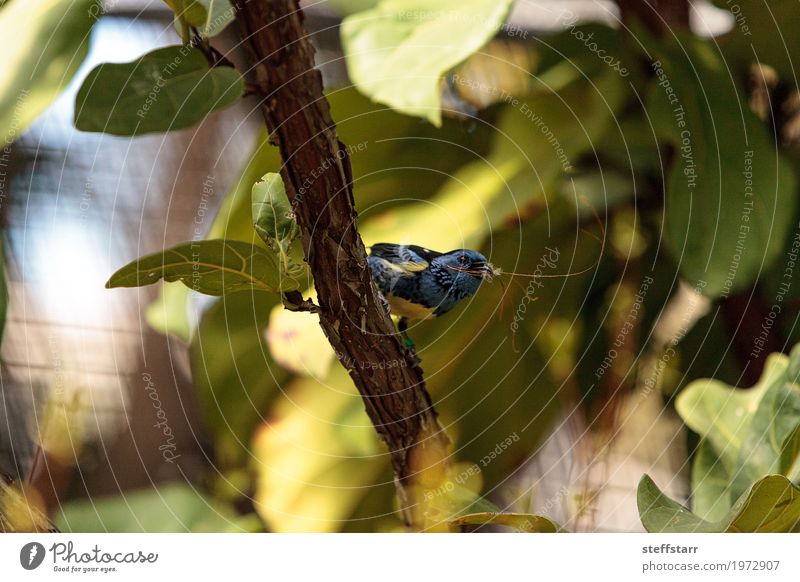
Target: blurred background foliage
(470,130)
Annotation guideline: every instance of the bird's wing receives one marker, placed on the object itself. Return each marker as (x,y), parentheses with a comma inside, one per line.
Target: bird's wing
(408,259)
(426,254)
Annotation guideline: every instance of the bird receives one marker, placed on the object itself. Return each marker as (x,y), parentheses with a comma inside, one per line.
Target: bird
(420,284)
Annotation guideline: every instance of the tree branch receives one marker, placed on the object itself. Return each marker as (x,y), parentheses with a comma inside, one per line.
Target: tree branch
(317,175)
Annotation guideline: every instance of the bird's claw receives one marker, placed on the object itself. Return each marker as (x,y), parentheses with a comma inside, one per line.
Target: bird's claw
(411,351)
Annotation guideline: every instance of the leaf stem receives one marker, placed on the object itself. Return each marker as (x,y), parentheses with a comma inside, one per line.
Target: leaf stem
(184,29)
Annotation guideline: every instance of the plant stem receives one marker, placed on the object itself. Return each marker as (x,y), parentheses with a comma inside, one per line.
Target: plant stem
(184,29)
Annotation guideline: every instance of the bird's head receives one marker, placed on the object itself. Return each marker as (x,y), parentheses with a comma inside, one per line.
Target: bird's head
(467,262)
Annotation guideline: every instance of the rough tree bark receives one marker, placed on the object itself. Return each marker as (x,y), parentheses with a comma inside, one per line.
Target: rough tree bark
(316,172)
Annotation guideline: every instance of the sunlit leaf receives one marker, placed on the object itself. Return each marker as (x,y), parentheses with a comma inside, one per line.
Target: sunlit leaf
(398,52)
(722,414)
(442,494)
(21,509)
(297,343)
(500,69)
(167,89)
(169,313)
(771,505)
(310,479)
(744,430)
(45,43)
(166,508)
(193,11)
(219,14)
(212,267)
(777,417)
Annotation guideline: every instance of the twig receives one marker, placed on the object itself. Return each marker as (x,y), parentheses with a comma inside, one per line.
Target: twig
(294,301)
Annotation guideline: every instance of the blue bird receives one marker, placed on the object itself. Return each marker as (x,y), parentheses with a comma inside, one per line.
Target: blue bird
(419,283)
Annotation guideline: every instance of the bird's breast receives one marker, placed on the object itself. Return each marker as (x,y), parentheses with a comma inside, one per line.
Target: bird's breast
(409,309)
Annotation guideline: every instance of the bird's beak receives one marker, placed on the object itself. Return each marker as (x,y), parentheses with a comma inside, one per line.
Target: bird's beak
(487,271)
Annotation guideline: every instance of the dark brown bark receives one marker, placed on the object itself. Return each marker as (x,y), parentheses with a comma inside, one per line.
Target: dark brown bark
(659,16)
(317,175)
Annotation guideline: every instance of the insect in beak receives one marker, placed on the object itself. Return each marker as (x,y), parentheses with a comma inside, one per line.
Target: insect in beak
(486,270)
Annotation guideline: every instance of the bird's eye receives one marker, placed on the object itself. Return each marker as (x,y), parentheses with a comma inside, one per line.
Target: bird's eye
(463,259)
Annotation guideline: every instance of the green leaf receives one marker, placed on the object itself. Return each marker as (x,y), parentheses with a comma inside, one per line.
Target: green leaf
(167,89)
(345,7)
(523,522)
(746,434)
(722,414)
(273,219)
(771,505)
(398,52)
(192,11)
(213,267)
(167,508)
(790,456)
(730,198)
(216,15)
(743,431)
(45,43)
(170,312)
(219,14)
(710,482)
(777,416)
